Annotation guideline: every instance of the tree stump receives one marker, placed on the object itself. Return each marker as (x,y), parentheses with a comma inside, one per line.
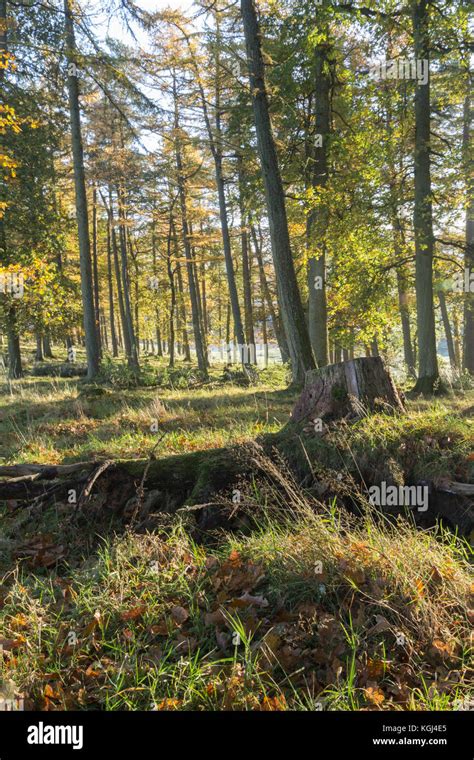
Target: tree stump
(347,389)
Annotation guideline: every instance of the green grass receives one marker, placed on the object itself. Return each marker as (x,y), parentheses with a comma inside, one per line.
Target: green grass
(60,420)
(247,622)
(156,622)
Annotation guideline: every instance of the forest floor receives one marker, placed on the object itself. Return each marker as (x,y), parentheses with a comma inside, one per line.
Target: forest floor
(313,608)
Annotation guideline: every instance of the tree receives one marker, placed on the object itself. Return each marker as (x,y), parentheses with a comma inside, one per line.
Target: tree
(292,313)
(428,376)
(468,153)
(91,337)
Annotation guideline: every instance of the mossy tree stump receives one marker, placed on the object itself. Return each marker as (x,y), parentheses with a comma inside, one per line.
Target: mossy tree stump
(347,389)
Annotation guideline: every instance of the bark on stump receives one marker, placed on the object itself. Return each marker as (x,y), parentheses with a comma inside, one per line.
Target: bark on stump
(347,389)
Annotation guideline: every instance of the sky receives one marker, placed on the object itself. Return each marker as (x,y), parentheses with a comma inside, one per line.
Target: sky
(116,28)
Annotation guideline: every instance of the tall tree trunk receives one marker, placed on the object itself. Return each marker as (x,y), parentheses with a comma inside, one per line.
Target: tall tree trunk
(39,348)
(468,151)
(172,291)
(428,376)
(264,334)
(47,351)
(182,307)
(405,321)
(397,191)
(276,322)
(447,329)
(205,313)
(136,307)
(92,344)
(113,334)
(123,332)
(227,334)
(95,267)
(15,368)
(246,271)
(318,218)
(159,345)
(132,356)
(199,298)
(457,339)
(103,330)
(198,338)
(402,286)
(215,143)
(14,354)
(292,312)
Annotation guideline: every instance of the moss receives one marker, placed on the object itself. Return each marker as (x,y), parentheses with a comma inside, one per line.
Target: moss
(339,392)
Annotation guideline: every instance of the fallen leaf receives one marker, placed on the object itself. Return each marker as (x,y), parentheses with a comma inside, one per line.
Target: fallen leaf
(381,625)
(375,696)
(420,587)
(375,669)
(215,618)
(247,600)
(19,621)
(179,614)
(91,672)
(273,704)
(93,624)
(159,629)
(439,651)
(169,704)
(134,612)
(9,645)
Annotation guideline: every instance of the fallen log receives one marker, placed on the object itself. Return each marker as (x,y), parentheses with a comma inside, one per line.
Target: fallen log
(173,482)
(60,370)
(44,471)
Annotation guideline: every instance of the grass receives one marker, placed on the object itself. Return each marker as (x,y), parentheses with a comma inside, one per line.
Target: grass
(157,622)
(60,420)
(311,609)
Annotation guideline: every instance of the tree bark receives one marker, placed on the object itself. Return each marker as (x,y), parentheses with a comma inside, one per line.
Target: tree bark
(47,350)
(113,334)
(292,312)
(39,348)
(181,180)
(468,342)
(95,268)
(182,308)
(92,345)
(15,368)
(246,271)
(347,389)
(447,330)
(267,296)
(318,218)
(124,338)
(172,291)
(428,377)
(132,356)
(159,346)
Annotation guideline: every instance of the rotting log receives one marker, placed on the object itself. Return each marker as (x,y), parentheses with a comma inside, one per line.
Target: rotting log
(172,482)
